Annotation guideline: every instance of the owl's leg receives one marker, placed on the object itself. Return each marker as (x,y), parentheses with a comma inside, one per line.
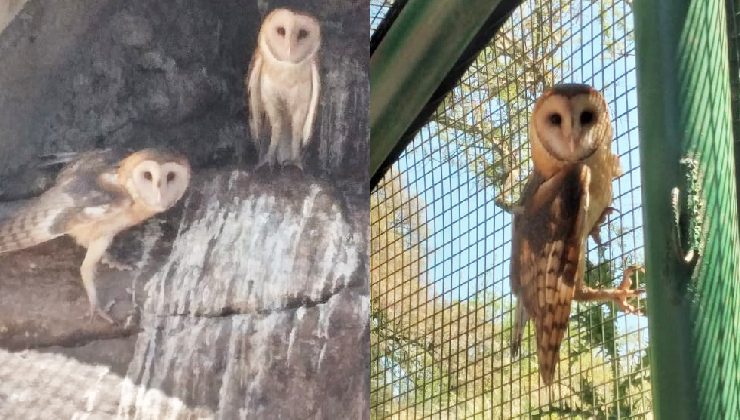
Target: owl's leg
(95,251)
(277,133)
(298,120)
(595,235)
(618,295)
(269,158)
(617,171)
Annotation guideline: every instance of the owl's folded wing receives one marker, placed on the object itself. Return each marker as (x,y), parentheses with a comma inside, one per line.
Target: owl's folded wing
(546,253)
(254,99)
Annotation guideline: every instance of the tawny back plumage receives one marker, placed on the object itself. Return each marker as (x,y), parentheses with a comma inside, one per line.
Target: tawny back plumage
(546,255)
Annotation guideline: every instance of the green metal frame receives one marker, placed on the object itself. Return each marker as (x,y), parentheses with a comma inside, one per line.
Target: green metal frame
(686,143)
(423,52)
(733,21)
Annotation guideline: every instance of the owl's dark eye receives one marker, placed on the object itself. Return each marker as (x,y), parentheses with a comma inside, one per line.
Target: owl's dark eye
(555,118)
(281,31)
(302,34)
(170,177)
(148,176)
(587,117)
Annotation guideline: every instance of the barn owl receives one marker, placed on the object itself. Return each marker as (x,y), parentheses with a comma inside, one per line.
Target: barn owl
(566,198)
(95,197)
(283,86)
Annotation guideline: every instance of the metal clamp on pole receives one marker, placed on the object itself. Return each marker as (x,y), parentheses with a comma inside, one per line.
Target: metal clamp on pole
(687,225)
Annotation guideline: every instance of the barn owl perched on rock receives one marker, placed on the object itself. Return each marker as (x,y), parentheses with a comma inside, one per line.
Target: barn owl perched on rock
(283,86)
(566,198)
(94,198)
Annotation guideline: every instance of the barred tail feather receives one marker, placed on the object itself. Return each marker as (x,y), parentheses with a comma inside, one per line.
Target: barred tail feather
(558,296)
(550,333)
(520,321)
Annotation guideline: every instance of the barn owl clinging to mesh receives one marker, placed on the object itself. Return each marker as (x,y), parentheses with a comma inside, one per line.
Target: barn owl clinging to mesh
(566,198)
(283,86)
(93,199)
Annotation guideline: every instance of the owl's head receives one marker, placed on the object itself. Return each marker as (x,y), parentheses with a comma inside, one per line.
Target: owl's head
(290,36)
(570,122)
(154,178)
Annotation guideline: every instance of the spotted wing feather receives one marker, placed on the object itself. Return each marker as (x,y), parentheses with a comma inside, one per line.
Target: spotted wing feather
(257,114)
(546,256)
(80,194)
(313,103)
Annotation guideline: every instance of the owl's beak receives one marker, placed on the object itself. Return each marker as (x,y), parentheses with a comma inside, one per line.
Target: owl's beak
(572,144)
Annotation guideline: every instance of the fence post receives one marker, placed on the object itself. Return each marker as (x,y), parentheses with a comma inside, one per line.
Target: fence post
(686,143)
(733,28)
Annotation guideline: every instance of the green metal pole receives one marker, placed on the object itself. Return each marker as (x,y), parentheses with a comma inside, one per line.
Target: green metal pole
(686,143)
(733,27)
(420,48)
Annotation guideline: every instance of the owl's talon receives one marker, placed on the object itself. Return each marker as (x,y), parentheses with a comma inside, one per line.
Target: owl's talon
(97,311)
(297,164)
(595,234)
(263,164)
(626,291)
(101,313)
(626,307)
(627,275)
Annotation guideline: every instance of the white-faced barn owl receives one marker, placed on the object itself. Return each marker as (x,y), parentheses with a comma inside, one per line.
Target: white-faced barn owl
(566,198)
(283,86)
(94,198)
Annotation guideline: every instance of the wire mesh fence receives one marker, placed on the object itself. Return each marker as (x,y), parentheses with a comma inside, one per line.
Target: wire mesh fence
(378,10)
(441,237)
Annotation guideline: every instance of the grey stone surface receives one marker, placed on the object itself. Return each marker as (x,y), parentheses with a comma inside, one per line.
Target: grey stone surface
(262,307)
(247,300)
(81,74)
